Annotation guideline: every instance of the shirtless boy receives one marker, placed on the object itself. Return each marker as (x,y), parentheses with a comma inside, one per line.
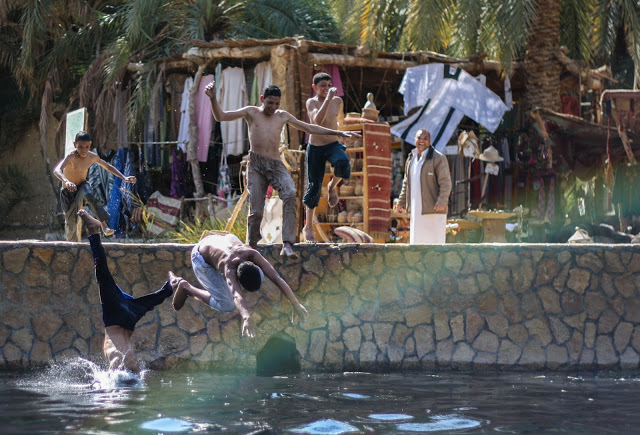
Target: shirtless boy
(72,171)
(224,265)
(324,109)
(120,311)
(265,167)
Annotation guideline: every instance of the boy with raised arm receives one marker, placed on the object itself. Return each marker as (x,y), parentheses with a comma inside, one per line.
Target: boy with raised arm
(265,167)
(73,171)
(324,109)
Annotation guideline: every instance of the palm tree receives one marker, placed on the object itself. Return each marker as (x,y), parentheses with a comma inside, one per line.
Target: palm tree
(80,52)
(504,29)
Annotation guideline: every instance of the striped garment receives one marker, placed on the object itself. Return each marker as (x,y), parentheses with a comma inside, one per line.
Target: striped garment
(164,213)
(445,95)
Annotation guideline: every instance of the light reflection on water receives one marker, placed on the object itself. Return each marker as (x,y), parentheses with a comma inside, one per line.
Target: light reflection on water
(81,397)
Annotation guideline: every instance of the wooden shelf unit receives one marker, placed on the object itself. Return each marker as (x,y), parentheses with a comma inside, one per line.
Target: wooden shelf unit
(375,201)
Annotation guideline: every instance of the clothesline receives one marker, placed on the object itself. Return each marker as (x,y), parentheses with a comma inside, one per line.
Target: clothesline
(167,142)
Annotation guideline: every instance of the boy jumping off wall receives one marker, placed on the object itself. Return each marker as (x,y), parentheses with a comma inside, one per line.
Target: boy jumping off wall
(73,171)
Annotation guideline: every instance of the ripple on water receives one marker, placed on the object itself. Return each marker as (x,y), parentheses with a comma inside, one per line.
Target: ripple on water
(328,426)
(390,417)
(440,423)
(167,425)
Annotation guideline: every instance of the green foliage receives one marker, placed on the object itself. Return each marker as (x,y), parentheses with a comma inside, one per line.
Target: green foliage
(190,232)
(14,188)
(276,19)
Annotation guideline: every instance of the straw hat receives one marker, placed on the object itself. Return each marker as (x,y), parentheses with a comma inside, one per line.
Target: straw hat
(491,155)
(468,144)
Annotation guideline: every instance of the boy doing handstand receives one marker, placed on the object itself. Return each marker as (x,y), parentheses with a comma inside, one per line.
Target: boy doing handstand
(73,171)
(120,311)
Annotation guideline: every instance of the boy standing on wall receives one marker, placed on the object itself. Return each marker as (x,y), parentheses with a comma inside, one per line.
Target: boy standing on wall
(324,109)
(72,171)
(265,167)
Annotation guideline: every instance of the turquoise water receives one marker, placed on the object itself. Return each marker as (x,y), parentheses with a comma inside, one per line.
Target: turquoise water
(79,397)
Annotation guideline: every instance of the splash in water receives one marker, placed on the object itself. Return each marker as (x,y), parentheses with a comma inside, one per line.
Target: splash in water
(80,374)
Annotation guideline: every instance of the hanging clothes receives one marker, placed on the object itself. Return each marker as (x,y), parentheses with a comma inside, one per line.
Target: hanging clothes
(262,77)
(178,174)
(232,95)
(450,94)
(174,87)
(204,120)
(508,95)
(546,201)
(570,105)
(115,199)
(334,72)
(183,131)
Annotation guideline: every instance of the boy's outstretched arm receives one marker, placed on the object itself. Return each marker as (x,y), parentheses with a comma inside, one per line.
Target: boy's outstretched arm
(219,114)
(271,273)
(114,171)
(317,129)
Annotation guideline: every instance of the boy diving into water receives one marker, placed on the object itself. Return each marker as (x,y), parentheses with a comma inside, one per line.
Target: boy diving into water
(120,311)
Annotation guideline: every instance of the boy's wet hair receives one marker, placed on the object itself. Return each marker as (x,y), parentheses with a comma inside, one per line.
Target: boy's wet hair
(250,276)
(82,136)
(272,91)
(320,77)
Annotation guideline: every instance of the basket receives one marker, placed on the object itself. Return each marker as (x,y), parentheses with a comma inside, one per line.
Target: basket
(347,190)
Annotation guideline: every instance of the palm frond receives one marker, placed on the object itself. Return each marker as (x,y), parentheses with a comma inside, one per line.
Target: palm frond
(426,24)
(631,19)
(607,22)
(576,27)
(6,8)
(469,18)
(513,20)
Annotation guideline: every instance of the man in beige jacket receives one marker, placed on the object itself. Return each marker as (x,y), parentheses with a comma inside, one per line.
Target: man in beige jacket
(425,192)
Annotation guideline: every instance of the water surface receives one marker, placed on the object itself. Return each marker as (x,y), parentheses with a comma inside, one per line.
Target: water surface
(82,398)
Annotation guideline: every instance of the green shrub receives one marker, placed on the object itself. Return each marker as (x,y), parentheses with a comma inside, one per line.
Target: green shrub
(14,188)
(190,232)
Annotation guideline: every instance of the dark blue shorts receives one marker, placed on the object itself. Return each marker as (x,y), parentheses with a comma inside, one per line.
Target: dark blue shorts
(317,157)
(119,308)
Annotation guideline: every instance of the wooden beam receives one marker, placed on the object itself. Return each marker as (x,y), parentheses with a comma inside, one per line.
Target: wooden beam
(346,60)
(229,52)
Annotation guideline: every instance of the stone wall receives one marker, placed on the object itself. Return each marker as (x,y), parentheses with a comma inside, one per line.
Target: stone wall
(372,307)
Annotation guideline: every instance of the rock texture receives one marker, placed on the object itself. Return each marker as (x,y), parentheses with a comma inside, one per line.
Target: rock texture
(372,307)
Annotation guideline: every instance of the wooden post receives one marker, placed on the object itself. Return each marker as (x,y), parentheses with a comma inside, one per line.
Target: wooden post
(193,141)
(236,210)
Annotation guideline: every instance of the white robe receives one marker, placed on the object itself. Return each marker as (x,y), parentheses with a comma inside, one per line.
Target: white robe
(428,229)
(232,95)
(262,77)
(446,95)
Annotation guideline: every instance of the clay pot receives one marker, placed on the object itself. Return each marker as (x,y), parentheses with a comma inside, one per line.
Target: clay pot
(342,217)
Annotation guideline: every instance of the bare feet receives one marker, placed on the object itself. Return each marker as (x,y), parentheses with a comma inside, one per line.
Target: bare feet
(309,235)
(333,195)
(92,224)
(287,251)
(106,230)
(179,293)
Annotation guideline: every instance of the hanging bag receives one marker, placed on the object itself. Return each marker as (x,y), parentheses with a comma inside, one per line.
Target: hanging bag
(224,180)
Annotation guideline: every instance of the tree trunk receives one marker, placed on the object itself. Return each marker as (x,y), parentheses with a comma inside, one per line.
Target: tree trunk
(193,141)
(542,68)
